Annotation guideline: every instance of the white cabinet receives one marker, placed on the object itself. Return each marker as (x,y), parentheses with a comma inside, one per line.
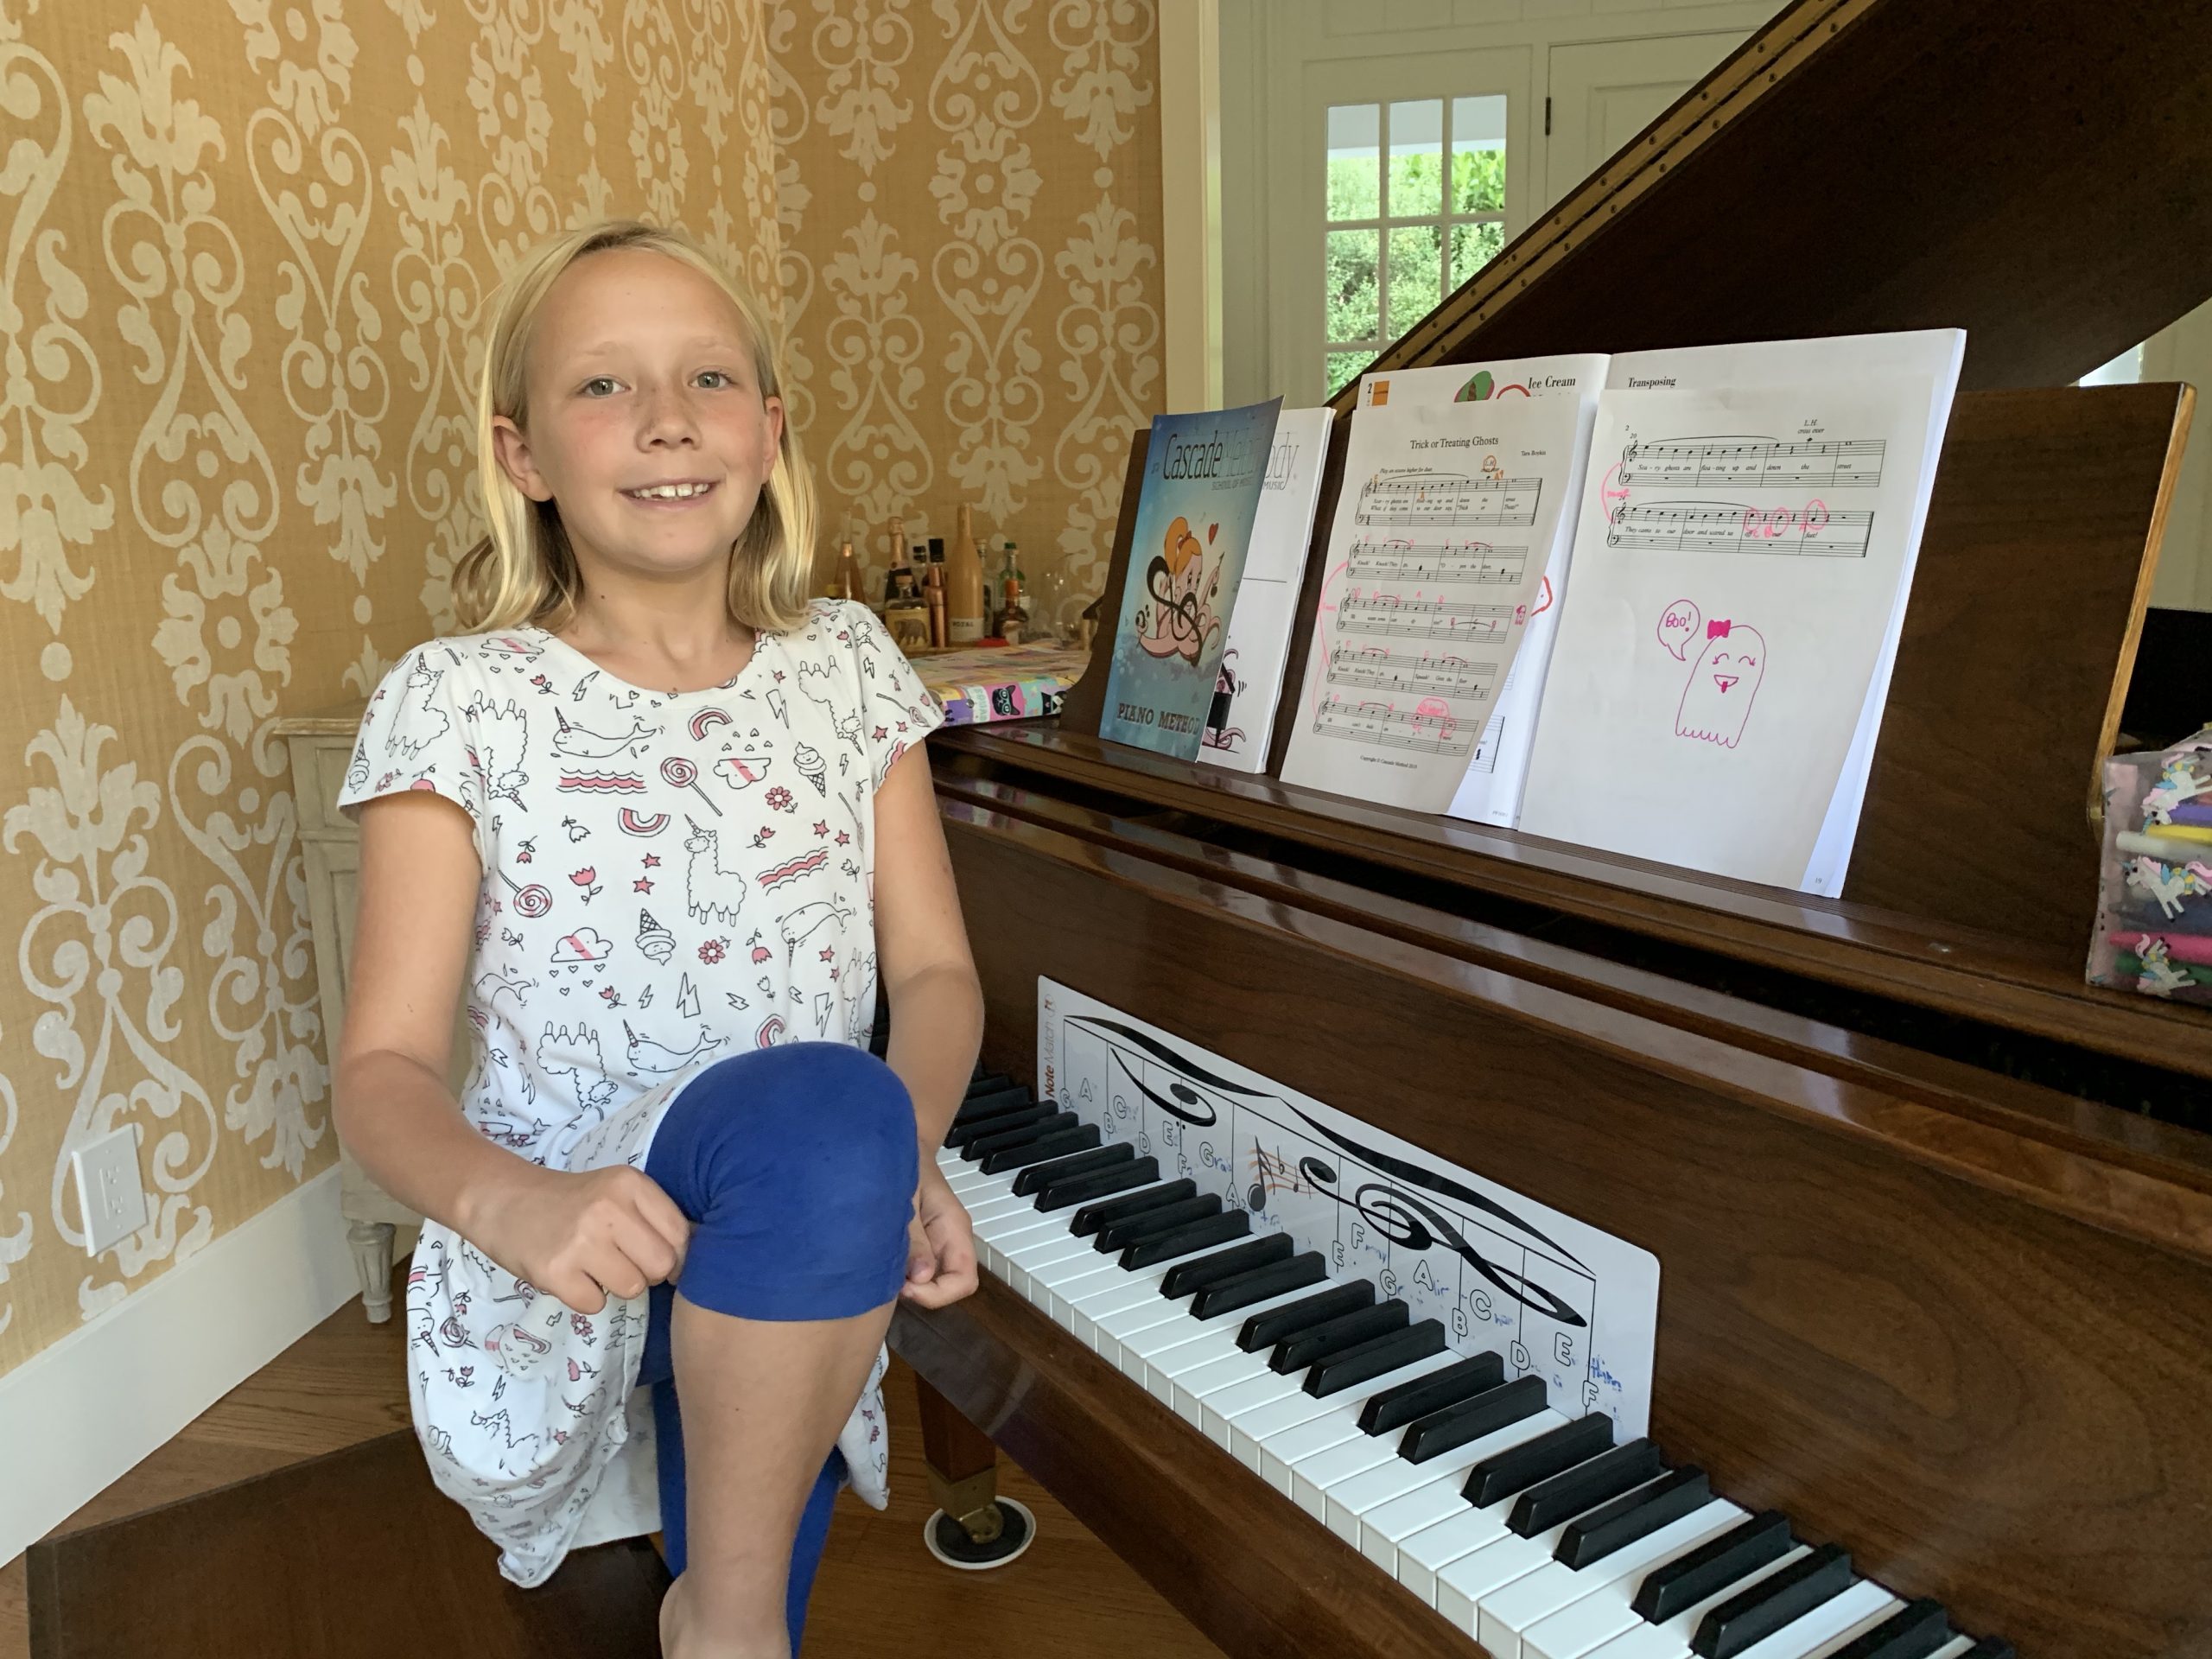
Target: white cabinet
(321,745)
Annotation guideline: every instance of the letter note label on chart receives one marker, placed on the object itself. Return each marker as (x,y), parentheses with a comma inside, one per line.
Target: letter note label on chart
(1556,1297)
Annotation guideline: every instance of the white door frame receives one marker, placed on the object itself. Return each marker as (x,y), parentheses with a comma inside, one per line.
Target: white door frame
(1297,198)
(1189,202)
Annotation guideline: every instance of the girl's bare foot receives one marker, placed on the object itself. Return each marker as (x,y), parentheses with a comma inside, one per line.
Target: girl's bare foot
(680,1640)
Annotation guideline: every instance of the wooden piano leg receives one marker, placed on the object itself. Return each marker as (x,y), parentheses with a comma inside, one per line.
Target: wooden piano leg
(973,1527)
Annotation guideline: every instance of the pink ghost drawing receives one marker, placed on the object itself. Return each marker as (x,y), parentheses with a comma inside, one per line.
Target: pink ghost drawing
(1717,699)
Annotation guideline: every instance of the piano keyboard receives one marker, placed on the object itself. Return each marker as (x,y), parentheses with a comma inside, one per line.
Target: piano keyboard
(1534,1532)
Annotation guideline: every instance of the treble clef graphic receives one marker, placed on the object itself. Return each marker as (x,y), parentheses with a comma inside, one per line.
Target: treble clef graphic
(532,900)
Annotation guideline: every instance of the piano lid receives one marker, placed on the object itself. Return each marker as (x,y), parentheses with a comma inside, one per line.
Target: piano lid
(2037,172)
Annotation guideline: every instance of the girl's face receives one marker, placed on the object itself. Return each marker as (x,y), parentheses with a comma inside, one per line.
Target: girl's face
(641,377)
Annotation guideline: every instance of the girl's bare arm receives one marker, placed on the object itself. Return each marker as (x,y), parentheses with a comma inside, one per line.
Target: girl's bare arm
(929,974)
(577,1235)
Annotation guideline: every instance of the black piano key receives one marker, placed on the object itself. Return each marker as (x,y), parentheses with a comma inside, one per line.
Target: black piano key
(1037,1177)
(993,1133)
(1393,1408)
(1519,1467)
(1472,1418)
(1773,1602)
(1190,1276)
(1602,1479)
(961,1136)
(1060,1141)
(1594,1535)
(1915,1631)
(1304,1347)
(1158,1219)
(1356,1363)
(1712,1566)
(1099,1185)
(1166,1247)
(1266,1329)
(988,1083)
(1246,1288)
(980,1109)
(1989,1648)
(1092,1217)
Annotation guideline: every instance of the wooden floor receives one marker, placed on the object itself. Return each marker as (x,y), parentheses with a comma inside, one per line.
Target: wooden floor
(879,1592)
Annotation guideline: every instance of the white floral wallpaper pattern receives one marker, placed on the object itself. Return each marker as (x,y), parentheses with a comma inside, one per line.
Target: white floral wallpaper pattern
(244,247)
(969,203)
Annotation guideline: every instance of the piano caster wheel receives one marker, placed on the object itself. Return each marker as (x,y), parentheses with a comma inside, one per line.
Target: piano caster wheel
(952,1543)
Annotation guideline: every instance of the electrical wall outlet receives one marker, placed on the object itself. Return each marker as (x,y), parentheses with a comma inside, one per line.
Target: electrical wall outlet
(109,1195)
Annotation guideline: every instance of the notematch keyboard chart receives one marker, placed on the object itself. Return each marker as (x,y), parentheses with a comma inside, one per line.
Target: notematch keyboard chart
(1538,1533)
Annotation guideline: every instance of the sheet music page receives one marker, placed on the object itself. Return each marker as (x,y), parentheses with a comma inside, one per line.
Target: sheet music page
(1248,684)
(1553,1295)
(1740,559)
(1444,531)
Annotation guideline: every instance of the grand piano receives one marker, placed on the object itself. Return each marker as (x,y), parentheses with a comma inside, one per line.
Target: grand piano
(1934,1218)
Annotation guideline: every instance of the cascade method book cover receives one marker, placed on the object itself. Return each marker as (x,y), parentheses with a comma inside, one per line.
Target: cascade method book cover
(1203,475)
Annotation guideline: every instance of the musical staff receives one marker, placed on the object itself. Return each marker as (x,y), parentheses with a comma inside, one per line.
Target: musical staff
(1762,462)
(1434,673)
(1389,616)
(1812,531)
(1469,561)
(1442,500)
(1427,728)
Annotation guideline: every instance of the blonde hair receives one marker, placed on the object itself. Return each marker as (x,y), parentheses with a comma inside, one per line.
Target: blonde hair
(524,569)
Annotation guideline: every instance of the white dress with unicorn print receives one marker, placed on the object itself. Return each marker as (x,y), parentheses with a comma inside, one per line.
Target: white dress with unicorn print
(668,880)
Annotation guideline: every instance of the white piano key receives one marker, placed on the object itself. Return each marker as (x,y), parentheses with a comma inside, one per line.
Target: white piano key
(1031,1255)
(1311,1477)
(1503,1618)
(1249,1434)
(1008,1232)
(1463,1587)
(1073,1270)
(1127,1290)
(1370,1499)
(1423,1555)
(1069,1291)
(1117,1330)
(1194,1386)
(1578,1628)
(1265,1387)
(1954,1649)
(1671,1640)
(964,1177)
(1829,1625)
(1045,1244)
(988,1209)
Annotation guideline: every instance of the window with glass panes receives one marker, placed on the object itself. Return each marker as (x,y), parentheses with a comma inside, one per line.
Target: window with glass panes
(1404,229)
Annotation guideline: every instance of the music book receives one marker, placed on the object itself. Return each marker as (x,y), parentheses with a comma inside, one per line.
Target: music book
(1241,717)
(1203,476)
(1489,790)
(1447,543)
(1743,555)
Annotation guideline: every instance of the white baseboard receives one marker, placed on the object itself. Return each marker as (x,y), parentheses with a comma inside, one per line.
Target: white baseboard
(76,1417)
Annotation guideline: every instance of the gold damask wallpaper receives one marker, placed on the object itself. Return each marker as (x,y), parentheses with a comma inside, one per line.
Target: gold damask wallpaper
(244,244)
(969,198)
(243,247)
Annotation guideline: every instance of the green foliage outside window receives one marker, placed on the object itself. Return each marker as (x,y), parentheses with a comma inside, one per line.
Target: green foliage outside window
(1418,272)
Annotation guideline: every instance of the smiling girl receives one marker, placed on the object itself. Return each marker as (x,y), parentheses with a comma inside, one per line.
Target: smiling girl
(666,825)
